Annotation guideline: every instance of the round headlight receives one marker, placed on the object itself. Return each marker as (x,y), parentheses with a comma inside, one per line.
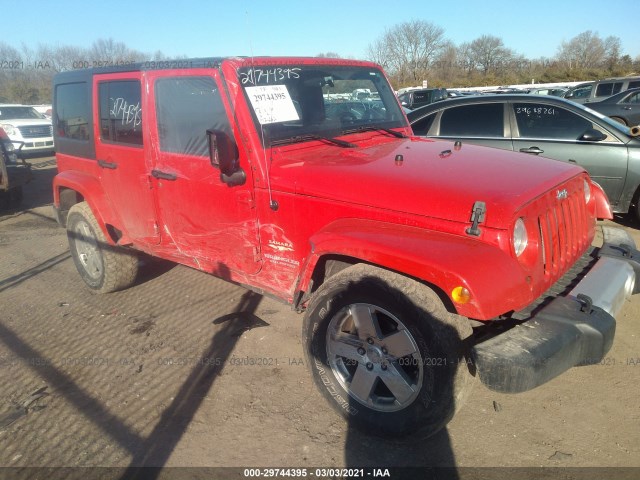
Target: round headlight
(587,191)
(520,238)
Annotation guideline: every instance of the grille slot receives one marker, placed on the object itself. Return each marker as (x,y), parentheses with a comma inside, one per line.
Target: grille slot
(36,131)
(563,233)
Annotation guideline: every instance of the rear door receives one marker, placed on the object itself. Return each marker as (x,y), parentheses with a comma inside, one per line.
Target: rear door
(202,218)
(553,131)
(121,139)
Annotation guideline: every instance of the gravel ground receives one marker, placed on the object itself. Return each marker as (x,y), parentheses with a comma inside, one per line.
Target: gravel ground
(185,370)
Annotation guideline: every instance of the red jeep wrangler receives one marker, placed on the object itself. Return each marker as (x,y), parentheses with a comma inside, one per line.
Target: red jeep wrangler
(268,173)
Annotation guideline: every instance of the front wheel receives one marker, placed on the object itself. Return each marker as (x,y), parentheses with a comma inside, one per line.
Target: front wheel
(103,267)
(385,353)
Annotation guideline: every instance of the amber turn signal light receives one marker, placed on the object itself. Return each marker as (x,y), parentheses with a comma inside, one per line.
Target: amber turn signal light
(460,295)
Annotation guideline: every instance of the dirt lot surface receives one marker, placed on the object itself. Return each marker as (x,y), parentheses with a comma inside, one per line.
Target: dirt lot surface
(187,370)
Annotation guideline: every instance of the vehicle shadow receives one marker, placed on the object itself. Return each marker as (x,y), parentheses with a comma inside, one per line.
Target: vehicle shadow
(154,451)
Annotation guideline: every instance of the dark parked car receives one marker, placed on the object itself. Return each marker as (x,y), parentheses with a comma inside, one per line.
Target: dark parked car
(419,98)
(623,107)
(14,172)
(547,126)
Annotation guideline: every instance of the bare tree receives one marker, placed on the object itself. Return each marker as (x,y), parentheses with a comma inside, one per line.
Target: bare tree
(588,50)
(408,49)
(489,54)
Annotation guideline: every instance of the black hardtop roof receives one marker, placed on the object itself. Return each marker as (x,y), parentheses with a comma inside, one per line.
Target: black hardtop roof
(84,74)
(181,63)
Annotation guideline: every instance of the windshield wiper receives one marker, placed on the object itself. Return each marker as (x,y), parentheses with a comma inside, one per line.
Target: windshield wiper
(372,128)
(304,138)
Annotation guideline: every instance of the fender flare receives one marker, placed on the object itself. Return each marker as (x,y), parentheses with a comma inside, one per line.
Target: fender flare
(601,201)
(495,279)
(91,190)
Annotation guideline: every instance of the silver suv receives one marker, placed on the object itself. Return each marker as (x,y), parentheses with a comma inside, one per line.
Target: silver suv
(597,91)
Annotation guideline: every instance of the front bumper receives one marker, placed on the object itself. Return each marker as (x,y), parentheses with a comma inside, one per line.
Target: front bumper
(37,144)
(577,329)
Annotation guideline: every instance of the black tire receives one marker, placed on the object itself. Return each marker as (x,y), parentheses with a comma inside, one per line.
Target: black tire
(103,267)
(385,352)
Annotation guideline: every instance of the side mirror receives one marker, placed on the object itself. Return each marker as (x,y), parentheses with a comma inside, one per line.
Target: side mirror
(223,154)
(593,135)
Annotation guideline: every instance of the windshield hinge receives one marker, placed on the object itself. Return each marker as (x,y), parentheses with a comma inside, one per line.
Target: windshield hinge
(477,216)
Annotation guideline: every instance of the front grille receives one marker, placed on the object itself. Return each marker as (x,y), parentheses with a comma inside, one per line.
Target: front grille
(563,232)
(36,131)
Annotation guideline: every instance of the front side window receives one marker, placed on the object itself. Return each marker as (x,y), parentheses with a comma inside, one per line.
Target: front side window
(186,107)
(297,102)
(120,112)
(71,111)
(482,120)
(536,120)
(633,98)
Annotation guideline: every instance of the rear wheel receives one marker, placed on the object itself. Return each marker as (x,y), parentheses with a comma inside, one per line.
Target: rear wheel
(385,353)
(103,267)
(619,120)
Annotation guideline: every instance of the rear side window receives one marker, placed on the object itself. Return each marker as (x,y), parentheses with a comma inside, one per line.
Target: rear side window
(71,111)
(186,107)
(483,120)
(635,84)
(608,89)
(120,112)
(549,121)
(422,126)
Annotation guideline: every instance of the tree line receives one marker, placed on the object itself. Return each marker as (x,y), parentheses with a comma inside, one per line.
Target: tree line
(26,73)
(415,51)
(410,52)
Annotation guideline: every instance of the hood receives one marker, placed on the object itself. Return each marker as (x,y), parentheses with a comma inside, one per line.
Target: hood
(419,176)
(22,122)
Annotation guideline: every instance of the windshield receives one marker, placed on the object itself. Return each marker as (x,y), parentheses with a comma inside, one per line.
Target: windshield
(290,102)
(22,113)
(611,123)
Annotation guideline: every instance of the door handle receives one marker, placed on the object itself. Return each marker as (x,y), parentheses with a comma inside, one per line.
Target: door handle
(571,160)
(109,165)
(534,150)
(626,108)
(163,175)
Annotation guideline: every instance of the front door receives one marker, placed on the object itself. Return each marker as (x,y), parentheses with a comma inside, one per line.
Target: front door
(209,223)
(553,131)
(121,141)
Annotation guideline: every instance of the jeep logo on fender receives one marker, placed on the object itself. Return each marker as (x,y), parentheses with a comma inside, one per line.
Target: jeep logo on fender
(562,194)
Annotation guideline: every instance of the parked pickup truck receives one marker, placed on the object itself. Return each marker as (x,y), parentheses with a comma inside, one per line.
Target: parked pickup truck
(396,248)
(14,172)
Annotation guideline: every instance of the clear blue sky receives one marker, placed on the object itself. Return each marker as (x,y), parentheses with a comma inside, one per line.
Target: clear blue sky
(298,27)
